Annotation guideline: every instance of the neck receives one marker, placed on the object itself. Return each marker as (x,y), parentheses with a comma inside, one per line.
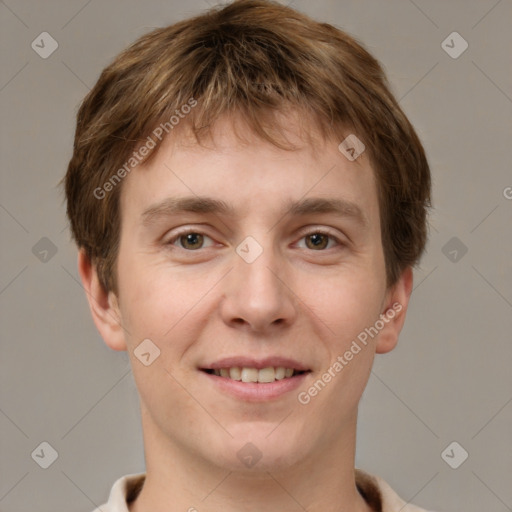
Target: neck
(177,480)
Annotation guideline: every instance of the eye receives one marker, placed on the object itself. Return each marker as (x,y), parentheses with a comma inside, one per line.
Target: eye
(319,240)
(193,240)
(189,240)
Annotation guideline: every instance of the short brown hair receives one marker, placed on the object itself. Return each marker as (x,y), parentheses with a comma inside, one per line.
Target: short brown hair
(257,58)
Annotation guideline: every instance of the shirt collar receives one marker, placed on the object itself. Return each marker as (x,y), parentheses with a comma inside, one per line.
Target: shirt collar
(377,493)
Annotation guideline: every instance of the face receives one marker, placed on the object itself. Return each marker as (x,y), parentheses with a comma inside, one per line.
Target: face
(242,260)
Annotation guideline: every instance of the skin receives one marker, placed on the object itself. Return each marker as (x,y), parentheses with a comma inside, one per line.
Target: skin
(201,304)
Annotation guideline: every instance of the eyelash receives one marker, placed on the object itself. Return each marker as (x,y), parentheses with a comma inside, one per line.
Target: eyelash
(323,232)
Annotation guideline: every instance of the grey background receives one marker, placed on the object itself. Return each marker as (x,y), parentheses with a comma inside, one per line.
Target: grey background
(448,380)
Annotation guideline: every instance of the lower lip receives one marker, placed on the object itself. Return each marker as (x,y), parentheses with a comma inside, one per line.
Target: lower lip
(256,391)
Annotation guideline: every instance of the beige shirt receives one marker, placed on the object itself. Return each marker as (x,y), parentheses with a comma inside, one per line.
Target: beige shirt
(374,490)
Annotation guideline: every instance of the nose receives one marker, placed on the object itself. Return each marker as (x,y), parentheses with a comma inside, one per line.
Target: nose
(257,297)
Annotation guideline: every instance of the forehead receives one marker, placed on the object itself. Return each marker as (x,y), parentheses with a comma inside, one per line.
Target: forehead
(241,172)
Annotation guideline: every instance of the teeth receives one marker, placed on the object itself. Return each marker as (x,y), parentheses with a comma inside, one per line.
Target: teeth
(269,374)
(249,375)
(235,373)
(280,373)
(266,375)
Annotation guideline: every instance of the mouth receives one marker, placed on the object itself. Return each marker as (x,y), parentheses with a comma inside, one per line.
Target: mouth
(255,381)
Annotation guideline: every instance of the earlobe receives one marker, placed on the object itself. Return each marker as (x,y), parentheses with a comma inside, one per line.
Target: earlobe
(103,305)
(393,315)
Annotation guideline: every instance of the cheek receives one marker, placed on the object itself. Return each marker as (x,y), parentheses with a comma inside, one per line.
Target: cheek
(346,368)
(169,313)
(347,305)
(351,306)
(161,303)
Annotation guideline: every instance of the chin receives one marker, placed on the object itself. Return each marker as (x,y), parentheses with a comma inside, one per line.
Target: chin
(257,448)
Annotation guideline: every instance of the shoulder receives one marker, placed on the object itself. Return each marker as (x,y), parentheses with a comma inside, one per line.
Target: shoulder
(124,490)
(379,494)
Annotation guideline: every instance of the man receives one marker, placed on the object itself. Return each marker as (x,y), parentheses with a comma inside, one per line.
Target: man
(249,200)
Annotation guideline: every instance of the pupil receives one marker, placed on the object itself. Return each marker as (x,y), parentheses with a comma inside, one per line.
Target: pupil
(193,239)
(318,240)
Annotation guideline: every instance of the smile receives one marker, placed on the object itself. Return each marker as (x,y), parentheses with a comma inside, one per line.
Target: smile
(251,384)
(263,375)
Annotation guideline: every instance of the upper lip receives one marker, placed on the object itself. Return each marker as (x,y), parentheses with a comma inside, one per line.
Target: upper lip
(249,362)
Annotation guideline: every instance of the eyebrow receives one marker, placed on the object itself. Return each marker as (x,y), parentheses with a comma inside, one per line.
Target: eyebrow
(207,205)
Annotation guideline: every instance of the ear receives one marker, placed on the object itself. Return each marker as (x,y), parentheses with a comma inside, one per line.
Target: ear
(104,305)
(393,313)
